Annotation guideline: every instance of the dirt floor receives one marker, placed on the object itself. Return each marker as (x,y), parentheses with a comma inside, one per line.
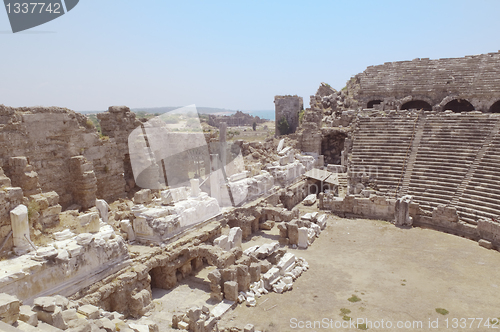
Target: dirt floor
(375,274)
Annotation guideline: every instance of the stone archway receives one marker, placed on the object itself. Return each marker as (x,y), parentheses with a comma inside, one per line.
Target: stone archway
(459,105)
(417,104)
(371,103)
(495,108)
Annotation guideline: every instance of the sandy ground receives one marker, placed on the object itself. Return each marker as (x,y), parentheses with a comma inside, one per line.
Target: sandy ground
(399,275)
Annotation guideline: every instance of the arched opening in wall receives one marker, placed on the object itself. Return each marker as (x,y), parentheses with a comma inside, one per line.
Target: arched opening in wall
(495,108)
(332,145)
(417,104)
(458,105)
(373,102)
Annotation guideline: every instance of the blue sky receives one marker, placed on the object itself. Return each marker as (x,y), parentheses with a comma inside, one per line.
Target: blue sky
(228,54)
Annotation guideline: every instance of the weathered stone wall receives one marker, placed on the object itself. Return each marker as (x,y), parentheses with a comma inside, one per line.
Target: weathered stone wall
(436,82)
(288,107)
(48,138)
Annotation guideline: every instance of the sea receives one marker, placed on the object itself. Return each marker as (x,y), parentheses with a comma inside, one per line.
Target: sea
(269,115)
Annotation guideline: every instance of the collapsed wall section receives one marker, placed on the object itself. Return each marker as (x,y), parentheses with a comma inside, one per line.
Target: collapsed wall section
(49,137)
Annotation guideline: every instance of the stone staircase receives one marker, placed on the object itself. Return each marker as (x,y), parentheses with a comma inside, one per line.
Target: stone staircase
(342,189)
(453,160)
(481,195)
(410,162)
(448,148)
(380,148)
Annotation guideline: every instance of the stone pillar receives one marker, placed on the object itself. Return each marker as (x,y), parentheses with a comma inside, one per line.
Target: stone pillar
(214,177)
(343,159)
(402,211)
(20,229)
(222,141)
(195,187)
(321,160)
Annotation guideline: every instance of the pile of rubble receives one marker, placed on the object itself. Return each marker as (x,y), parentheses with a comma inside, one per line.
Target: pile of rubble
(302,232)
(57,313)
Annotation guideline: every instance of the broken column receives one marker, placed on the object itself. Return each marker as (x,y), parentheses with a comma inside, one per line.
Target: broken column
(222,140)
(402,211)
(84,182)
(20,229)
(195,187)
(214,177)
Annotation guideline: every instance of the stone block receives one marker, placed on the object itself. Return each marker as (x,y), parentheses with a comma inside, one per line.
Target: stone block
(267,225)
(222,242)
(231,290)
(9,308)
(303,241)
(265,266)
(90,222)
(28,316)
(79,325)
(143,196)
(293,232)
(90,311)
(309,200)
(254,271)
(46,303)
(321,221)
(243,277)
(103,208)
(485,244)
(270,277)
(235,237)
(54,318)
(249,328)
(69,315)
(287,261)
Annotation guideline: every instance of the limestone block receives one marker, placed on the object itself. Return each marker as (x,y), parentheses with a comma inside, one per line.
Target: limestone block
(309,200)
(69,315)
(46,303)
(321,221)
(270,277)
(90,311)
(166,197)
(249,328)
(402,211)
(287,261)
(243,277)
(195,187)
(445,213)
(235,237)
(54,318)
(267,225)
(27,315)
(293,233)
(108,325)
(266,250)
(143,196)
(265,266)
(280,145)
(183,326)
(79,325)
(9,308)
(231,290)
(210,324)
(215,277)
(20,229)
(485,244)
(316,229)
(90,222)
(126,226)
(222,242)
(229,274)
(254,271)
(303,241)
(103,208)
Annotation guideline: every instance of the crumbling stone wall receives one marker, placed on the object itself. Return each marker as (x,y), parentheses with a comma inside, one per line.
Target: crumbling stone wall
(436,82)
(288,107)
(49,137)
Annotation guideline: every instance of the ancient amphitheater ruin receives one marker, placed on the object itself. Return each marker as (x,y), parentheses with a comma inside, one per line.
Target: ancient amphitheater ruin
(159,226)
